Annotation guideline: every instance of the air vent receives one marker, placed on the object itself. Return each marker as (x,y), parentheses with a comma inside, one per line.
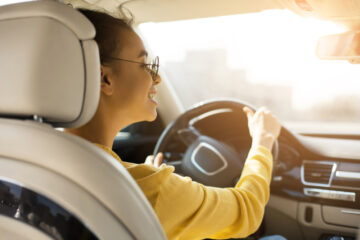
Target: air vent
(317,173)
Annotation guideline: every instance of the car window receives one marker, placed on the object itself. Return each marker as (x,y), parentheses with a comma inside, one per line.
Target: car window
(265,58)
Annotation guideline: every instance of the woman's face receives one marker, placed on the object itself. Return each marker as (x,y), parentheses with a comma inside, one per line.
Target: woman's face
(133,88)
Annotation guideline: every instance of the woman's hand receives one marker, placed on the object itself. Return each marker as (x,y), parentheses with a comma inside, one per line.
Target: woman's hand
(264,128)
(156,162)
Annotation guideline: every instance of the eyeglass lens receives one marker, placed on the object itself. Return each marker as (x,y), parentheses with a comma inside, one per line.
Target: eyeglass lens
(155,67)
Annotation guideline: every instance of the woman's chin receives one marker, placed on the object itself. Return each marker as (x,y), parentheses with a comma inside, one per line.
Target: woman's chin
(152,116)
(148,115)
(151,112)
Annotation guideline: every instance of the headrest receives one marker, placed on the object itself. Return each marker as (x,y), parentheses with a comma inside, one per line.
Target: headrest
(49,63)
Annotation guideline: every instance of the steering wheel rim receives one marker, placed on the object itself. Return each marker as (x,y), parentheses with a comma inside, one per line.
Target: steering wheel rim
(222,166)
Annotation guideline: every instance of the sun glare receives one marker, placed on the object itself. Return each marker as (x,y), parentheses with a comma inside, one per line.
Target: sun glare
(248,38)
(6,2)
(275,47)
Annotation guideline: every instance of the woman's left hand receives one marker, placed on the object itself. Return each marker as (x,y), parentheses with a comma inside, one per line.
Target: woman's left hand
(155,161)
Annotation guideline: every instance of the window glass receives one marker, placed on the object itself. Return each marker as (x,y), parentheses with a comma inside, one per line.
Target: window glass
(265,58)
(6,2)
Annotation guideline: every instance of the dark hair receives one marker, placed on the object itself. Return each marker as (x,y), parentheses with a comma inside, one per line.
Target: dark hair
(108,32)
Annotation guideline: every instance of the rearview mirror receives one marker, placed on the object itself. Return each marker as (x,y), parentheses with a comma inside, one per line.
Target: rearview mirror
(345,46)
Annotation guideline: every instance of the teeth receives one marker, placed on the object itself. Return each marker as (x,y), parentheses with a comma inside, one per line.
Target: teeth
(152,95)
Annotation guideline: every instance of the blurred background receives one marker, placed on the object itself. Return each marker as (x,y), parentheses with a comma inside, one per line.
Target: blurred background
(265,58)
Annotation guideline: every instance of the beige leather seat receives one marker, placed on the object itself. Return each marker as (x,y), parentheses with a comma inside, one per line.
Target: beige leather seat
(54,185)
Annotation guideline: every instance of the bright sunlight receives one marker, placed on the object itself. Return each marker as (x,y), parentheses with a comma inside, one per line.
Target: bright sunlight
(275,50)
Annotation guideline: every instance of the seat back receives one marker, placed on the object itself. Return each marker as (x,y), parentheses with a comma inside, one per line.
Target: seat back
(54,185)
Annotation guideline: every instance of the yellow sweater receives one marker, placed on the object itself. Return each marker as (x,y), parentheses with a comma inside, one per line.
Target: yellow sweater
(190,210)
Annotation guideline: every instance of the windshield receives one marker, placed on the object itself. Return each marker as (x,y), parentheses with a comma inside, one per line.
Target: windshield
(265,58)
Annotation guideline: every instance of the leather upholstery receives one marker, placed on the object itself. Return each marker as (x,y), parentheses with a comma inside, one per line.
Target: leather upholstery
(50,68)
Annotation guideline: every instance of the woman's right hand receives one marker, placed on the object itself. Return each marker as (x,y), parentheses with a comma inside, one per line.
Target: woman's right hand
(154,161)
(264,128)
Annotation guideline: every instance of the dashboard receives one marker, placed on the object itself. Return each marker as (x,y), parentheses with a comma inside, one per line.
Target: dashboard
(316,180)
(318,169)
(322,175)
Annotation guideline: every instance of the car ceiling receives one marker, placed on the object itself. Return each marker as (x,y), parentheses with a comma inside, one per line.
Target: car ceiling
(171,10)
(344,11)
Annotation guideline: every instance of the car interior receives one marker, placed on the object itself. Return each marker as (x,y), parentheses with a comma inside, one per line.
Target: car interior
(57,186)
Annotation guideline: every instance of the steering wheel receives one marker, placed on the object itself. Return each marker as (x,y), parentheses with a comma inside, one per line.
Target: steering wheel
(207,160)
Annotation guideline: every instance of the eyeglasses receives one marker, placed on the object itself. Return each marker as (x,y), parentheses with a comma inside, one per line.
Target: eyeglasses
(153,66)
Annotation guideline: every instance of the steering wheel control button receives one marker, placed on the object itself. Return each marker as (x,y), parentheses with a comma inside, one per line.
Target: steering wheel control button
(208,160)
(330,194)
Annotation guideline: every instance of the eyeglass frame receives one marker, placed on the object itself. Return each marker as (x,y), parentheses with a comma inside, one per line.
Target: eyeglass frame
(150,66)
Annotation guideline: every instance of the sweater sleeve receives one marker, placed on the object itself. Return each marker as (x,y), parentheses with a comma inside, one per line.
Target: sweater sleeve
(189,210)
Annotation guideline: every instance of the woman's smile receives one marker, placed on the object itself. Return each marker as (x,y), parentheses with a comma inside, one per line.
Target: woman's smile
(152,96)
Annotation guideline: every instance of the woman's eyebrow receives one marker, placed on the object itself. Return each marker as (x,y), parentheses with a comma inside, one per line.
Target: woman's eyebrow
(143,53)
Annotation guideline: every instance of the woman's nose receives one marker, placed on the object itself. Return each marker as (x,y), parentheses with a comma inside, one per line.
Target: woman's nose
(157,80)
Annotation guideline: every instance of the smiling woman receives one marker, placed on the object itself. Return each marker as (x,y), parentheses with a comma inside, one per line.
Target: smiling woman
(128,81)
(126,97)
(50,60)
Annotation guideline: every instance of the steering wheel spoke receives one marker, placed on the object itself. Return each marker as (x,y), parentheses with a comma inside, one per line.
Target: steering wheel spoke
(175,164)
(178,166)
(188,135)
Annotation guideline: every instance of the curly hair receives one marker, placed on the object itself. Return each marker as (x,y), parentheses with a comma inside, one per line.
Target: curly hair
(106,26)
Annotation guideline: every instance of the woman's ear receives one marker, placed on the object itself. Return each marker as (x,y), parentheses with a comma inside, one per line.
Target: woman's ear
(106,82)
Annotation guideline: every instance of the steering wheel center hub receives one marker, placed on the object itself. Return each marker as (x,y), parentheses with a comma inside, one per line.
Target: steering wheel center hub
(207,159)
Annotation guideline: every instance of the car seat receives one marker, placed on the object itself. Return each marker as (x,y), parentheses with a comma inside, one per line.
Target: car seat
(54,185)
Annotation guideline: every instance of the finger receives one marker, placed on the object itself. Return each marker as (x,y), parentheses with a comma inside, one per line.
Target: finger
(249,112)
(262,109)
(149,160)
(267,111)
(158,159)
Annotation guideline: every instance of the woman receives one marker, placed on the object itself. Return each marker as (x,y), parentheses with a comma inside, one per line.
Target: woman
(186,209)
